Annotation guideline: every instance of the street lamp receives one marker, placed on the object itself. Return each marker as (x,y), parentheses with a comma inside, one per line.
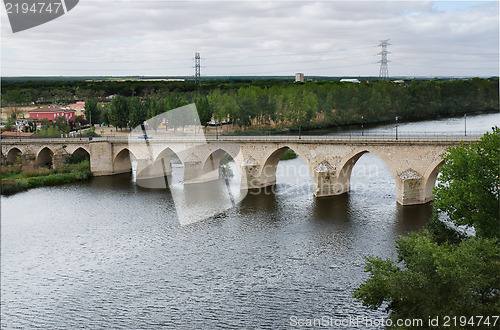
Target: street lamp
(396,127)
(465,124)
(300,123)
(269,125)
(216,129)
(362,126)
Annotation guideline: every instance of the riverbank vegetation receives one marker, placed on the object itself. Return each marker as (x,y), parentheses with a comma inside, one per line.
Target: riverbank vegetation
(450,269)
(14,179)
(264,105)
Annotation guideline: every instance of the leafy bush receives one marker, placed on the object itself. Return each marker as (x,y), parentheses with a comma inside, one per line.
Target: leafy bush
(10,169)
(89,133)
(83,166)
(76,158)
(67,173)
(37,172)
(49,132)
(13,186)
(289,154)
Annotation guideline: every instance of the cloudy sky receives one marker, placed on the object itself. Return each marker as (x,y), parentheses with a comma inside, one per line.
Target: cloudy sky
(326,38)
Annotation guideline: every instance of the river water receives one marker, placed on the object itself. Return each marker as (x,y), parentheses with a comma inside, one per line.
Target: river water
(109,254)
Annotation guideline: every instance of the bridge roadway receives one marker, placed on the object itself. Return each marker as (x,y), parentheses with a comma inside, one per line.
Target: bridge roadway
(414,161)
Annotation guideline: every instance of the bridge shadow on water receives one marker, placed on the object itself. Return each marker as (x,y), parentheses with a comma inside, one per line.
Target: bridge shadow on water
(275,204)
(112,182)
(411,218)
(344,211)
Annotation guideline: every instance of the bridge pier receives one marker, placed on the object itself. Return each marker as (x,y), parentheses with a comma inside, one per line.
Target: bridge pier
(250,174)
(58,160)
(326,182)
(145,170)
(192,170)
(152,176)
(411,188)
(101,158)
(28,161)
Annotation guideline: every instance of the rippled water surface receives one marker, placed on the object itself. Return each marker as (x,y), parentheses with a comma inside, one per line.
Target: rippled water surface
(109,254)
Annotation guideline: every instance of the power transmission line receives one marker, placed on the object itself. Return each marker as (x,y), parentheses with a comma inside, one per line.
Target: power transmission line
(197,68)
(384,71)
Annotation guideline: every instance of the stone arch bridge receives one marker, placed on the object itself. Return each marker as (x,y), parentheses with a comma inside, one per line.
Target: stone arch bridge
(413,161)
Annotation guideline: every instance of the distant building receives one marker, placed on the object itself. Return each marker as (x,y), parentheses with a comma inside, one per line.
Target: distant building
(16,135)
(79,107)
(52,112)
(350,80)
(299,77)
(163,79)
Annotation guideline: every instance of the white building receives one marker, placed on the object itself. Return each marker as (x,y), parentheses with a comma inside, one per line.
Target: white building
(350,80)
(299,77)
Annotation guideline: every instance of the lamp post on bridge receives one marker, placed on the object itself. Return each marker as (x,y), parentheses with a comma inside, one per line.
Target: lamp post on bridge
(300,122)
(362,126)
(269,125)
(465,124)
(396,127)
(216,129)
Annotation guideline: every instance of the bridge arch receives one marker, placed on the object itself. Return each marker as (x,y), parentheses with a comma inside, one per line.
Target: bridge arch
(12,155)
(122,162)
(348,163)
(81,154)
(45,157)
(430,179)
(166,154)
(161,165)
(80,148)
(271,160)
(211,163)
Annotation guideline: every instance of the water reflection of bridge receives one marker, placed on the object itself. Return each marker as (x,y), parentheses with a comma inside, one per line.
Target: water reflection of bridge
(414,161)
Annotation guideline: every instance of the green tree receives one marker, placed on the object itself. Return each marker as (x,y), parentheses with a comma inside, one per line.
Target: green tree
(105,113)
(441,271)
(44,123)
(119,112)
(138,111)
(246,113)
(62,125)
(223,104)
(468,192)
(92,111)
(267,106)
(204,110)
(436,279)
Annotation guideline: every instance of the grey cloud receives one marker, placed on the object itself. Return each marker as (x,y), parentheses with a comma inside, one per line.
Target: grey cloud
(101,36)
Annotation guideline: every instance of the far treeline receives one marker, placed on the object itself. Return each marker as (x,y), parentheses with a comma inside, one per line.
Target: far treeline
(261,103)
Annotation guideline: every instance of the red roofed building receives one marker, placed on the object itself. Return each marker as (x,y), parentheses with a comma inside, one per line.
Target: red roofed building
(51,112)
(17,135)
(79,107)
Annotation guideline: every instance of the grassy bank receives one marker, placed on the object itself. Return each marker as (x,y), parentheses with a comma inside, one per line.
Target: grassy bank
(15,180)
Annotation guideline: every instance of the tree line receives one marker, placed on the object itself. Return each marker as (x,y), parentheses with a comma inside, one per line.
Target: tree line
(286,105)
